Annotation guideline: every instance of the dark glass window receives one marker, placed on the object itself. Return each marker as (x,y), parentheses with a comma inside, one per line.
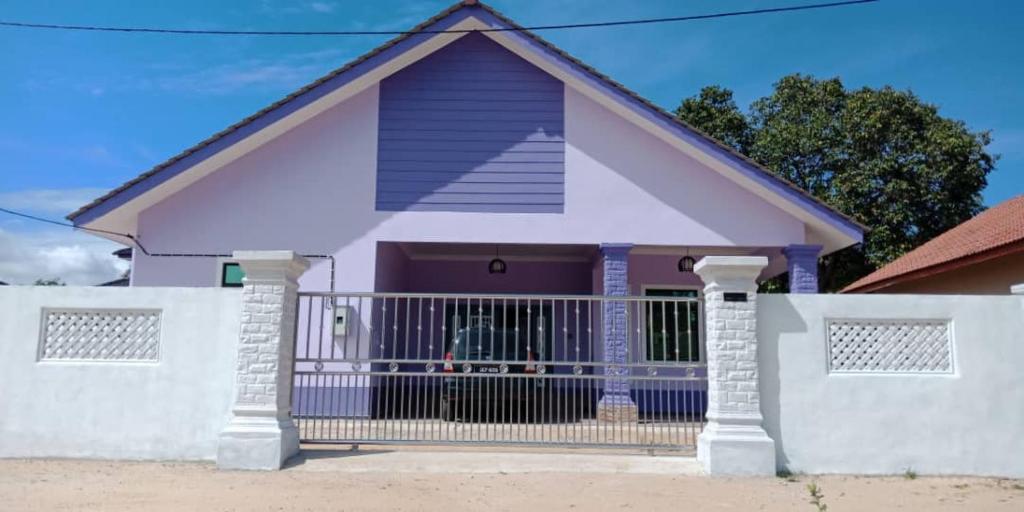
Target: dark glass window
(672,328)
(231,275)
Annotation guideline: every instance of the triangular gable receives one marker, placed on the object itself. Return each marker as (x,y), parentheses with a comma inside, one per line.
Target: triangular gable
(422,40)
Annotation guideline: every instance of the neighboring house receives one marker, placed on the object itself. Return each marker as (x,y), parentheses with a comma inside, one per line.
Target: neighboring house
(125,280)
(415,163)
(984,255)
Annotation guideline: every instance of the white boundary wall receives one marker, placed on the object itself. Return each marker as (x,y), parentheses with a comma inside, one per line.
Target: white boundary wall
(969,421)
(169,409)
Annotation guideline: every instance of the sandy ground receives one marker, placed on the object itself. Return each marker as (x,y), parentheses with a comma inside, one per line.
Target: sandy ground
(307,485)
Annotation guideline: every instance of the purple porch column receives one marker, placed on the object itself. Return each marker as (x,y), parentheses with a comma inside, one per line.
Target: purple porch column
(802,262)
(616,404)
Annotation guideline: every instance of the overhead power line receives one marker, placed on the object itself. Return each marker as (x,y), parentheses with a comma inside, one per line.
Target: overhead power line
(647,21)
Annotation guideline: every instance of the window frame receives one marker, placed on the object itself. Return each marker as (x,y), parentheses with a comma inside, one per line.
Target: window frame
(701,334)
(222,264)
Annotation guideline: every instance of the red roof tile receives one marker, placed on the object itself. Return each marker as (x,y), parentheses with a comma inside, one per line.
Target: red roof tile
(996,228)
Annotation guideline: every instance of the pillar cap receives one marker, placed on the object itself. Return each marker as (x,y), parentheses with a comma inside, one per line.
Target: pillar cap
(802,250)
(730,272)
(270,265)
(619,248)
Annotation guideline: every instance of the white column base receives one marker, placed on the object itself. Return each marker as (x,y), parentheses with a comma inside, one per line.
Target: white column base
(256,439)
(736,446)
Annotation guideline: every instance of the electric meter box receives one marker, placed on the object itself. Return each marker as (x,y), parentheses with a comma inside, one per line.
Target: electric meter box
(342,319)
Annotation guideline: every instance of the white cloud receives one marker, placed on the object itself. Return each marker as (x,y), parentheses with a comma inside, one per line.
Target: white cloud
(74,257)
(30,250)
(58,202)
(279,7)
(324,7)
(283,74)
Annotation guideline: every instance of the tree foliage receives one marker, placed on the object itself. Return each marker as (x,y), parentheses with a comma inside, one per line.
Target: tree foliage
(881,156)
(56,281)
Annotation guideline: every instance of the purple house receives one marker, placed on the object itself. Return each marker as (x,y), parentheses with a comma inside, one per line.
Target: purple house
(457,179)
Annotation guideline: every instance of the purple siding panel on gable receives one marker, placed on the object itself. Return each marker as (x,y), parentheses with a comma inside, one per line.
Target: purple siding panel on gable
(471,128)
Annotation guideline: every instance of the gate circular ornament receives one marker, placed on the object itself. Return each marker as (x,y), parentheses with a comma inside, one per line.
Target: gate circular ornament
(356,366)
(541,369)
(467,368)
(652,371)
(503,368)
(318,366)
(577,369)
(393,367)
(690,372)
(430,367)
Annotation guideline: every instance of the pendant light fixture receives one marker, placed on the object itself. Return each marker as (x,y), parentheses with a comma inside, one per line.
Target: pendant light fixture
(686,263)
(497,265)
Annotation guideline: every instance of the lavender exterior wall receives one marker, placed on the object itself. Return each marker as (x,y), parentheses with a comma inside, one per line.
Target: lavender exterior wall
(313,190)
(472,127)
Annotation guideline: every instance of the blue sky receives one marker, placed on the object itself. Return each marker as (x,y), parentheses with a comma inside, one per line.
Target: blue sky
(84,112)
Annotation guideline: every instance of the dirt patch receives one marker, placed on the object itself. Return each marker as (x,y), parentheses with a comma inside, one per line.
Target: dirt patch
(112,486)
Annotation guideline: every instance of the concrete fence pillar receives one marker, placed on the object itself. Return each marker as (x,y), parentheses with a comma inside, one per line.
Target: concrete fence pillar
(261,434)
(734,442)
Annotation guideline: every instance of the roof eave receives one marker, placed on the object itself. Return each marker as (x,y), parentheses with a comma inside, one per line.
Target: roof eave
(849,228)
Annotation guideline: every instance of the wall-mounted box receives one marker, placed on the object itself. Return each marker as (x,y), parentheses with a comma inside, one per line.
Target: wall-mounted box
(342,319)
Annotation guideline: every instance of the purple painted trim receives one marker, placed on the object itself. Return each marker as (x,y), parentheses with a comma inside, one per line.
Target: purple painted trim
(267,118)
(802,264)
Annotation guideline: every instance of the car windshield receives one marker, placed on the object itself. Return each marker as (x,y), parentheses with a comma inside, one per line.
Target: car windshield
(497,344)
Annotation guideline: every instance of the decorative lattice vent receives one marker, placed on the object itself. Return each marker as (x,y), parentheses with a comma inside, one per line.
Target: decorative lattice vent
(890,346)
(100,335)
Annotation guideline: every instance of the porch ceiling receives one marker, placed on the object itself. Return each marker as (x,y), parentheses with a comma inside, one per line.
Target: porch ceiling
(477,251)
(464,251)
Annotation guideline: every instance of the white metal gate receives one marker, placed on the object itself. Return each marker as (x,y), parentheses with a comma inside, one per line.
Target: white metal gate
(597,371)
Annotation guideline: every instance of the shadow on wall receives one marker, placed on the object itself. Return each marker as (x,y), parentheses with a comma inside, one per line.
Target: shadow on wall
(787,320)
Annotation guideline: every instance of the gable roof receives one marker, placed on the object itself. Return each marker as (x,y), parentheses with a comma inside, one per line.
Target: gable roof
(994,232)
(848,227)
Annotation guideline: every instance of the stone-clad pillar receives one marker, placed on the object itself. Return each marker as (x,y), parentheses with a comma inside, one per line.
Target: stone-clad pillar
(261,434)
(616,403)
(802,263)
(733,442)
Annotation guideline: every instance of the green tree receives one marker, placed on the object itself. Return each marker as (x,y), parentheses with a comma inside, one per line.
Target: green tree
(881,156)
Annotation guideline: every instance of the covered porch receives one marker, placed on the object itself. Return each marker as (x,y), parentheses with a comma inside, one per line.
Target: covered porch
(596,344)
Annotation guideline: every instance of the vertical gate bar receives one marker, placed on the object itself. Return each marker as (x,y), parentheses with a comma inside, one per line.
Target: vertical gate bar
(599,382)
(444,349)
(459,431)
(406,382)
(471,377)
(518,382)
(301,413)
(329,413)
(389,410)
(577,416)
(503,380)
(357,423)
(430,414)
(491,382)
